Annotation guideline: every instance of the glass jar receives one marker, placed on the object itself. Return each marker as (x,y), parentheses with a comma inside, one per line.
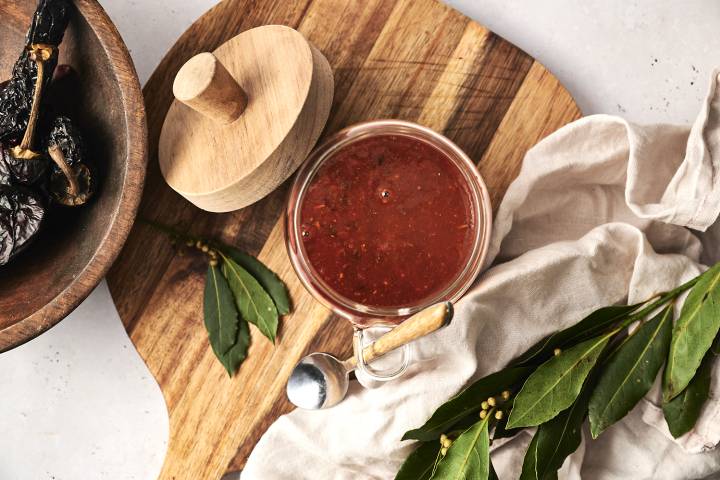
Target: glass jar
(360,315)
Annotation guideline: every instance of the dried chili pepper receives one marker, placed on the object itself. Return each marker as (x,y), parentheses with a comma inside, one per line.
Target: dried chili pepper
(21,98)
(29,171)
(21,215)
(64,134)
(72,181)
(22,209)
(5,175)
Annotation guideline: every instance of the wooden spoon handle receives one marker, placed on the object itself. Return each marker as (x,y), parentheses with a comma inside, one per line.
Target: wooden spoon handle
(419,325)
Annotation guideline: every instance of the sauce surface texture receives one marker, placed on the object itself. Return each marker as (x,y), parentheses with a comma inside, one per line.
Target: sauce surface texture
(387,221)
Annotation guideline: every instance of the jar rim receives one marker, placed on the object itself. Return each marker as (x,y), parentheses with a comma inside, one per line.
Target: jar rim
(357,313)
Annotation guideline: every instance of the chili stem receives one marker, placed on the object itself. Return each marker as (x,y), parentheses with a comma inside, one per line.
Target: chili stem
(26,142)
(40,54)
(57,156)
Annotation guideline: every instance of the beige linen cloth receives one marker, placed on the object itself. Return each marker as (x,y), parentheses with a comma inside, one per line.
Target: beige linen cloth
(603,212)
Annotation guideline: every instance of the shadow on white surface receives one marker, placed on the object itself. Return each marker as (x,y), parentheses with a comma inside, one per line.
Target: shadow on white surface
(79,403)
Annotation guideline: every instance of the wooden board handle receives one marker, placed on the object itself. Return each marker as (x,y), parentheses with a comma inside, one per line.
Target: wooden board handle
(419,325)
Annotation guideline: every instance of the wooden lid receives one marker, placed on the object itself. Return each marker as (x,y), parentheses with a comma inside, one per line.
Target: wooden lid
(244,118)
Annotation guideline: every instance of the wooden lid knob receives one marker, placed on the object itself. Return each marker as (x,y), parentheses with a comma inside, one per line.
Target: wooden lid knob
(206,86)
(223,147)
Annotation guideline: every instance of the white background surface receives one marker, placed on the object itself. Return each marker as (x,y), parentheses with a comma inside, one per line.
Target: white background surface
(78,404)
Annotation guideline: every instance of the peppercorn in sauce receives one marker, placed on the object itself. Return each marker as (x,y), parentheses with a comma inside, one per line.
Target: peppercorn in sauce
(387,221)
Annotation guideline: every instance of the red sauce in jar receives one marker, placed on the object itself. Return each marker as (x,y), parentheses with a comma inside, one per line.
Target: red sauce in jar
(387,221)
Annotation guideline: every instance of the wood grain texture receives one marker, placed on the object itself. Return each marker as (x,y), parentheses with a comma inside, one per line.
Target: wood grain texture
(224,167)
(76,248)
(416,60)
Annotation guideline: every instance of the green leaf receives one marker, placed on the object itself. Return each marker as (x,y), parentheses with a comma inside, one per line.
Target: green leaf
(420,464)
(555,440)
(265,277)
(219,312)
(555,384)
(682,412)
(467,403)
(694,333)
(631,372)
(233,358)
(469,455)
(594,324)
(252,300)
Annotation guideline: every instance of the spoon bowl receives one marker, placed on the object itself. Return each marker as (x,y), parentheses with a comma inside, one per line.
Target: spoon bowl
(318,381)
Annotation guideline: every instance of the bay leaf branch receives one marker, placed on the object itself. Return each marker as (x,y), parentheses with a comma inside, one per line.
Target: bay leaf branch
(469,455)
(592,325)
(467,402)
(420,464)
(693,334)
(233,358)
(220,313)
(682,412)
(555,440)
(265,277)
(555,384)
(253,302)
(630,373)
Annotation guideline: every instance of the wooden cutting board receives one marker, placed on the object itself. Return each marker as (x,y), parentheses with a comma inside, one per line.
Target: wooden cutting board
(415,60)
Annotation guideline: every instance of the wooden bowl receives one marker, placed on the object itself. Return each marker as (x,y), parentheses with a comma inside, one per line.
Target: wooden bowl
(76,247)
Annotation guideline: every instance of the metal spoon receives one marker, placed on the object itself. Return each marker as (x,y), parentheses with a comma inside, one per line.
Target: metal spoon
(320,380)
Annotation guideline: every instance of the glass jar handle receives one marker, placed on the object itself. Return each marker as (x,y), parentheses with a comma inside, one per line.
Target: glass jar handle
(375,375)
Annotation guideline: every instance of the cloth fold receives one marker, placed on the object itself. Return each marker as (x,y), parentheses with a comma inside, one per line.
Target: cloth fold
(603,212)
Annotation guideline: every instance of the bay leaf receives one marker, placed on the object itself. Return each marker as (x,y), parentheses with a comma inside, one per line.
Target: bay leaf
(467,402)
(233,358)
(630,373)
(592,325)
(682,412)
(253,302)
(265,277)
(555,384)
(555,440)
(421,462)
(469,455)
(693,333)
(219,312)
